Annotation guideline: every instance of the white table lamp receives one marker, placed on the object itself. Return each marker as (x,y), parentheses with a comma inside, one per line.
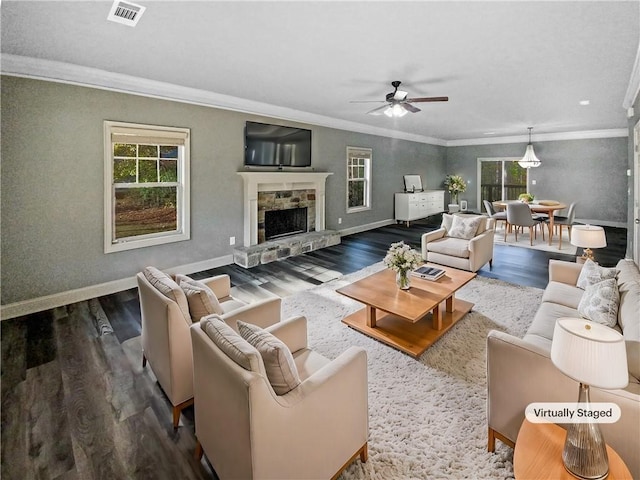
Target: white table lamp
(588,237)
(594,355)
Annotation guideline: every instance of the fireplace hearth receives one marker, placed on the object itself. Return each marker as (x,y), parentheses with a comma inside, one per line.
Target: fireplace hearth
(282,223)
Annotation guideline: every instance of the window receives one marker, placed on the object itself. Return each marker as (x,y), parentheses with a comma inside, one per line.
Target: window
(358,179)
(146,185)
(501,179)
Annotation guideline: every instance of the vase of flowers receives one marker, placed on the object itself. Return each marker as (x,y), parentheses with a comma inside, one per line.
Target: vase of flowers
(401,258)
(455,185)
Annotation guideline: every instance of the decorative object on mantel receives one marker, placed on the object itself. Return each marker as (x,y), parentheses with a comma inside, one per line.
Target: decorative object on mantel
(402,259)
(593,355)
(455,185)
(588,237)
(529,160)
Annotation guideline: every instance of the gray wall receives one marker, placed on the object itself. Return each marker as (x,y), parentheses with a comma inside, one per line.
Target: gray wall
(52,183)
(590,172)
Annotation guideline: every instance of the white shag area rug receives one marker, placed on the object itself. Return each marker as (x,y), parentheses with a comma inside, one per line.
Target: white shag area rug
(427,417)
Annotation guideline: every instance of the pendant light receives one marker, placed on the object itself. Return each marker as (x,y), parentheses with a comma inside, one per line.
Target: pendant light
(529,160)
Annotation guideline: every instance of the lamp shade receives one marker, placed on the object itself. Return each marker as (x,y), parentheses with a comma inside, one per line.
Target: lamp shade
(529,160)
(590,353)
(588,236)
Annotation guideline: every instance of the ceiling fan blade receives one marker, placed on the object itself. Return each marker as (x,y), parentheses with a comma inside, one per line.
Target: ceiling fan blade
(366,101)
(427,99)
(409,107)
(377,111)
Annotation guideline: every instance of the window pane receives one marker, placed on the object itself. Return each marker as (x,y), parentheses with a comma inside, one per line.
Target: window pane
(356,194)
(491,181)
(168,171)
(515,181)
(148,151)
(124,171)
(148,171)
(361,172)
(124,150)
(168,151)
(141,211)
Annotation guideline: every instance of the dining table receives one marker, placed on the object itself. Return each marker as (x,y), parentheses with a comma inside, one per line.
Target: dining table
(548,207)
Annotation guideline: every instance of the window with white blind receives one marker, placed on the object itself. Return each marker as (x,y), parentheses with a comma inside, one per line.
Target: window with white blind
(358,179)
(146,185)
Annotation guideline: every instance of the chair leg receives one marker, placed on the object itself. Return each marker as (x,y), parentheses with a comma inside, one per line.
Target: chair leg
(560,239)
(364,453)
(490,264)
(144,361)
(531,236)
(491,440)
(197,454)
(177,409)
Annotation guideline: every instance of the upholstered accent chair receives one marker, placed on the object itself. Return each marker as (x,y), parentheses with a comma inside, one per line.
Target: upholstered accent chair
(167,314)
(313,428)
(559,222)
(463,241)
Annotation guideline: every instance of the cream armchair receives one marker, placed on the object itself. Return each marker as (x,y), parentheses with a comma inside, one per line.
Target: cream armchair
(247,431)
(165,317)
(439,246)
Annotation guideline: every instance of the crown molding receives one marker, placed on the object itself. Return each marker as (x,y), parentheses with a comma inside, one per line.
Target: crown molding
(542,137)
(634,84)
(40,69)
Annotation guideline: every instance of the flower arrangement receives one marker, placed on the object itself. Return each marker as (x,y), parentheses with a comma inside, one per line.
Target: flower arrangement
(455,184)
(525,197)
(401,258)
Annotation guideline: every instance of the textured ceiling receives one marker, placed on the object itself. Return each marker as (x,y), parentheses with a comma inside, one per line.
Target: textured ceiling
(504,65)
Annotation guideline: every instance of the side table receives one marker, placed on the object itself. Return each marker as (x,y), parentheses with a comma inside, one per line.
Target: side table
(538,454)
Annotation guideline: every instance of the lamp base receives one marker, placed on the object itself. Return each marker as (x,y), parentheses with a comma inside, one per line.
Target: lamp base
(587,254)
(585,452)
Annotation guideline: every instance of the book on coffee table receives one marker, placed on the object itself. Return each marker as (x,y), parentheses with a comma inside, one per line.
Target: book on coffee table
(428,273)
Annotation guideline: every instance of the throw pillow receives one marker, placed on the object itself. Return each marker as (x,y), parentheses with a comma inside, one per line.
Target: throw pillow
(446,222)
(600,301)
(464,228)
(278,361)
(593,273)
(201,299)
(232,344)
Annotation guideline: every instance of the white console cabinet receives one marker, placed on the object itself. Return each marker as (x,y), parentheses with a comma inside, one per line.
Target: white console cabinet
(412,206)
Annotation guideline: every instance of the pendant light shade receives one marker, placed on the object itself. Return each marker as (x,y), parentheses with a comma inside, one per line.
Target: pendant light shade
(530,160)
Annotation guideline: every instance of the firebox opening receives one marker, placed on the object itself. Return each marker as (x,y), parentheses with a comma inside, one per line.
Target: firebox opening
(280,223)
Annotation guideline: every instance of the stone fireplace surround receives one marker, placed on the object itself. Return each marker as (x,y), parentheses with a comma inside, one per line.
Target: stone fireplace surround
(286,188)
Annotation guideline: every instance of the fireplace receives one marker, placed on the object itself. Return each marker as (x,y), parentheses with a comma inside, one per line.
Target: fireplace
(280,223)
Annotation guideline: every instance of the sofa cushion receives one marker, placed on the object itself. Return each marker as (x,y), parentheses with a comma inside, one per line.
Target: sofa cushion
(447,220)
(168,287)
(562,294)
(231,344)
(453,247)
(544,321)
(278,362)
(464,227)
(628,275)
(600,302)
(593,273)
(201,299)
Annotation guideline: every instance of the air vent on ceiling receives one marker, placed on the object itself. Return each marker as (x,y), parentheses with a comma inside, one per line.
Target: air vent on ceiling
(126,13)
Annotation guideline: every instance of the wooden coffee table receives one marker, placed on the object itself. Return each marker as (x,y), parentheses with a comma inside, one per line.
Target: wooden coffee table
(409,320)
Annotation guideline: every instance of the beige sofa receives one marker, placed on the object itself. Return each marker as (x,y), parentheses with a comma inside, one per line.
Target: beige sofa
(440,246)
(520,371)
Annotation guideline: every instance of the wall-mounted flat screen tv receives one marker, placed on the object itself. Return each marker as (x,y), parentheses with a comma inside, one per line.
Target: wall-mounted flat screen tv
(276,146)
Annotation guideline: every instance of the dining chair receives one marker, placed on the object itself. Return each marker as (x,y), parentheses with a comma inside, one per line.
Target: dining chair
(519,215)
(497,216)
(561,221)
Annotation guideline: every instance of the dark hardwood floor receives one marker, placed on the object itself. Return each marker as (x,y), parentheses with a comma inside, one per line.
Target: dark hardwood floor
(77,404)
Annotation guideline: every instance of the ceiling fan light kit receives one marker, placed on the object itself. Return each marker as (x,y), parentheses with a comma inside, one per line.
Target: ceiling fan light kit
(398,104)
(530,160)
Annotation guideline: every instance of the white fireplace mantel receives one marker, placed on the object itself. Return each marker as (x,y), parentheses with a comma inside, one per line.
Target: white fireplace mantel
(255,182)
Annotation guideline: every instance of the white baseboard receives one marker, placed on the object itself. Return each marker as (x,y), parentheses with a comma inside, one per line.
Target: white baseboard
(601,223)
(368,226)
(26,307)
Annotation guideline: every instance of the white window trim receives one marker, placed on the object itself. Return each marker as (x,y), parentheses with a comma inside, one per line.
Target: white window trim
(368,168)
(184,209)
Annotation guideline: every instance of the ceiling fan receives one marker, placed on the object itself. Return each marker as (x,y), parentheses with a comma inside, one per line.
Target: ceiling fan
(397,103)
